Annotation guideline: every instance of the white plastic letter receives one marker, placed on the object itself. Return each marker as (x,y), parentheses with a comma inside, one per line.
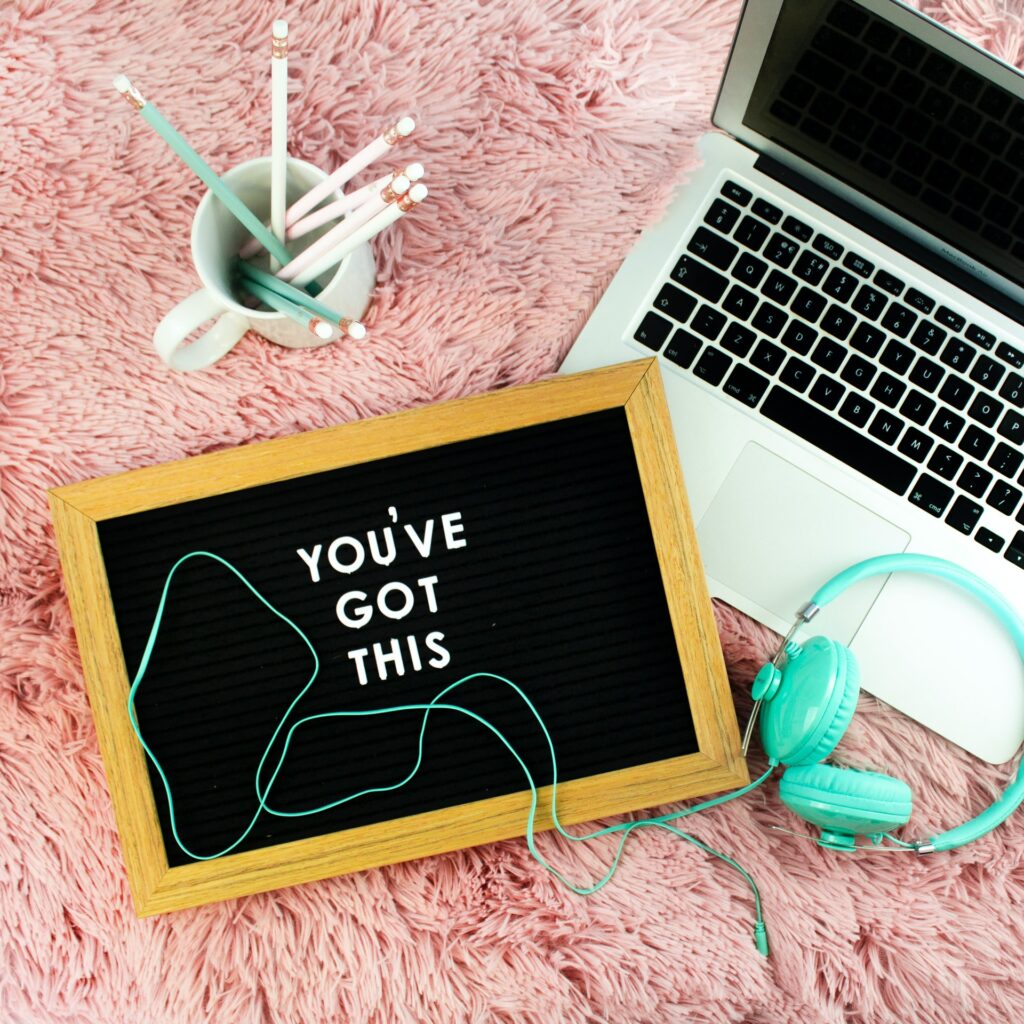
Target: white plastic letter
(434,643)
(423,545)
(383,659)
(427,583)
(359,657)
(392,613)
(312,561)
(357,548)
(364,611)
(389,555)
(452,523)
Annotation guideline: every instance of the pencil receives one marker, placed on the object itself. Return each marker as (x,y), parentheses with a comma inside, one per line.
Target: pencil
(353,328)
(323,245)
(278,130)
(388,216)
(348,170)
(317,326)
(234,205)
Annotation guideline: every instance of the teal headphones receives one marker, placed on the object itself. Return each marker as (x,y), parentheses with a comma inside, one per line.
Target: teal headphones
(809,691)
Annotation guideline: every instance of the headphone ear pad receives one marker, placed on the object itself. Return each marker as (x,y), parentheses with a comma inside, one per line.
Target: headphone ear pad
(846,799)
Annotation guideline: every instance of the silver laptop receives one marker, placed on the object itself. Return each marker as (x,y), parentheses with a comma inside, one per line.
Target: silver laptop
(835,300)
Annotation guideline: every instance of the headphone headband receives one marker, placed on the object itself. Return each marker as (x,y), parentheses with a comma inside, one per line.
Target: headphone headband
(1013,796)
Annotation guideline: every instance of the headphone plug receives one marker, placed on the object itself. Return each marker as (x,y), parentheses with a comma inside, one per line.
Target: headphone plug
(761,938)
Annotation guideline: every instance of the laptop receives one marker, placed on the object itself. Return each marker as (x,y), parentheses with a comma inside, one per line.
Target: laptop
(835,300)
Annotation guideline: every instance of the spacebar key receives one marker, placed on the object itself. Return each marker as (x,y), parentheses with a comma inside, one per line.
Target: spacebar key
(838,440)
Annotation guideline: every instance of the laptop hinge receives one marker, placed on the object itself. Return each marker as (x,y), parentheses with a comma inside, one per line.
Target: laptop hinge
(892,237)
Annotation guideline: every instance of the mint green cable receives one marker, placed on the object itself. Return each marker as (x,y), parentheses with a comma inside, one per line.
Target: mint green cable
(263,792)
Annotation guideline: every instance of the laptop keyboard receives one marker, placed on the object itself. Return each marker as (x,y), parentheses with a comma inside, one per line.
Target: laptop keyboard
(881,375)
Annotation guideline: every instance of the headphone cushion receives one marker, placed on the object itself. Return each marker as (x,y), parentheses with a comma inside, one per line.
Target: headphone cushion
(846,798)
(850,670)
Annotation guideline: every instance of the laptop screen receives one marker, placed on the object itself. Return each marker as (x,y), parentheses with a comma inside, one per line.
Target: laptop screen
(901,122)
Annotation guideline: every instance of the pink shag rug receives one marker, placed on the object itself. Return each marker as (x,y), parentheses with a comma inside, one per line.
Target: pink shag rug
(552,131)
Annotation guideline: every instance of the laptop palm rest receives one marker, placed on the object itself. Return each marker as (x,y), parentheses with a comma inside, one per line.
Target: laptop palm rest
(773,534)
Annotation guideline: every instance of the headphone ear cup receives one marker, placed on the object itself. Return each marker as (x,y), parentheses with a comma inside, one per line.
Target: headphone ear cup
(845,800)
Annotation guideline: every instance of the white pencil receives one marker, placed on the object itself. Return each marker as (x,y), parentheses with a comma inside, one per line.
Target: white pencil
(348,170)
(324,245)
(278,131)
(387,217)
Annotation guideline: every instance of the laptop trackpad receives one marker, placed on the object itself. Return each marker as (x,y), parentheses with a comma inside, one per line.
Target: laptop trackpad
(773,534)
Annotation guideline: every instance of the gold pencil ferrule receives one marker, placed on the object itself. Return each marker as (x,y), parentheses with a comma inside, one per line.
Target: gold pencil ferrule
(313,325)
(389,195)
(134,98)
(391,136)
(280,47)
(406,203)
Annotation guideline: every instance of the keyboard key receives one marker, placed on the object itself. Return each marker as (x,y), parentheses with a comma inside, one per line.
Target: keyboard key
(955,391)
(976,442)
(809,267)
(869,302)
(769,320)
(1012,428)
(1011,355)
(980,337)
(857,409)
(838,440)
(888,390)
(1006,460)
(675,303)
(767,357)
(858,371)
(716,250)
(840,284)
(899,319)
(964,515)
(954,321)
(915,445)
(749,269)
(987,372)
(930,494)
(1015,550)
(708,322)
(829,355)
(798,229)
(653,330)
(779,287)
(682,349)
(917,407)
(867,339)
(797,374)
(752,233)
(736,193)
(739,302)
(885,426)
(889,283)
(799,337)
(808,305)
(987,539)
(974,480)
(737,339)
(699,279)
(857,264)
(929,337)
(947,425)
(985,409)
(827,247)
(958,354)
(838,322)
(945,462)
(919,301)
(780,250)
(897,357)
(712,365)
(745,385)
(827,392)
(765,209)
(722,215)
(926,374)
(1013,390)
(1004,497)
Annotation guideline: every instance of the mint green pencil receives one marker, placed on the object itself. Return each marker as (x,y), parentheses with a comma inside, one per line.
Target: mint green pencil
(249,273)
(316,325)
(241,212)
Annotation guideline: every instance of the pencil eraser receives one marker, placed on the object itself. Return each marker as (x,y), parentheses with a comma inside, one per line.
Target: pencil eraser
(121,83)
(418,193)
(414,172)
(356,330)
(280,29)
(405,126)
(323,330)
(399,184)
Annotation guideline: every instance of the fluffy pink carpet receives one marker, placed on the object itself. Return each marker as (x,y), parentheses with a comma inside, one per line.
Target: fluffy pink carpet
(552,132)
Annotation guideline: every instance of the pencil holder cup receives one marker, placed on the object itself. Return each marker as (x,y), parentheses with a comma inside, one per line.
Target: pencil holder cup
(216,238)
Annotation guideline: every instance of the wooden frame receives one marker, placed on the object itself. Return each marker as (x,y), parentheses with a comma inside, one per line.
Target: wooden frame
(77,509)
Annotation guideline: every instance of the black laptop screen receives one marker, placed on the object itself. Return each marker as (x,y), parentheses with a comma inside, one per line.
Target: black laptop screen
(901,122)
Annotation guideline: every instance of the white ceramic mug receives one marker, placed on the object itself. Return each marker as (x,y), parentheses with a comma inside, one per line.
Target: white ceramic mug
(216,239)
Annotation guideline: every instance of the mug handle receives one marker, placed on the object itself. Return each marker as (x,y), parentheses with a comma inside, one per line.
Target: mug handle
(187,315)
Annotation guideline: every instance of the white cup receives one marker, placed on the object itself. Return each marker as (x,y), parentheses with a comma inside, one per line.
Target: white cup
(216,238)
